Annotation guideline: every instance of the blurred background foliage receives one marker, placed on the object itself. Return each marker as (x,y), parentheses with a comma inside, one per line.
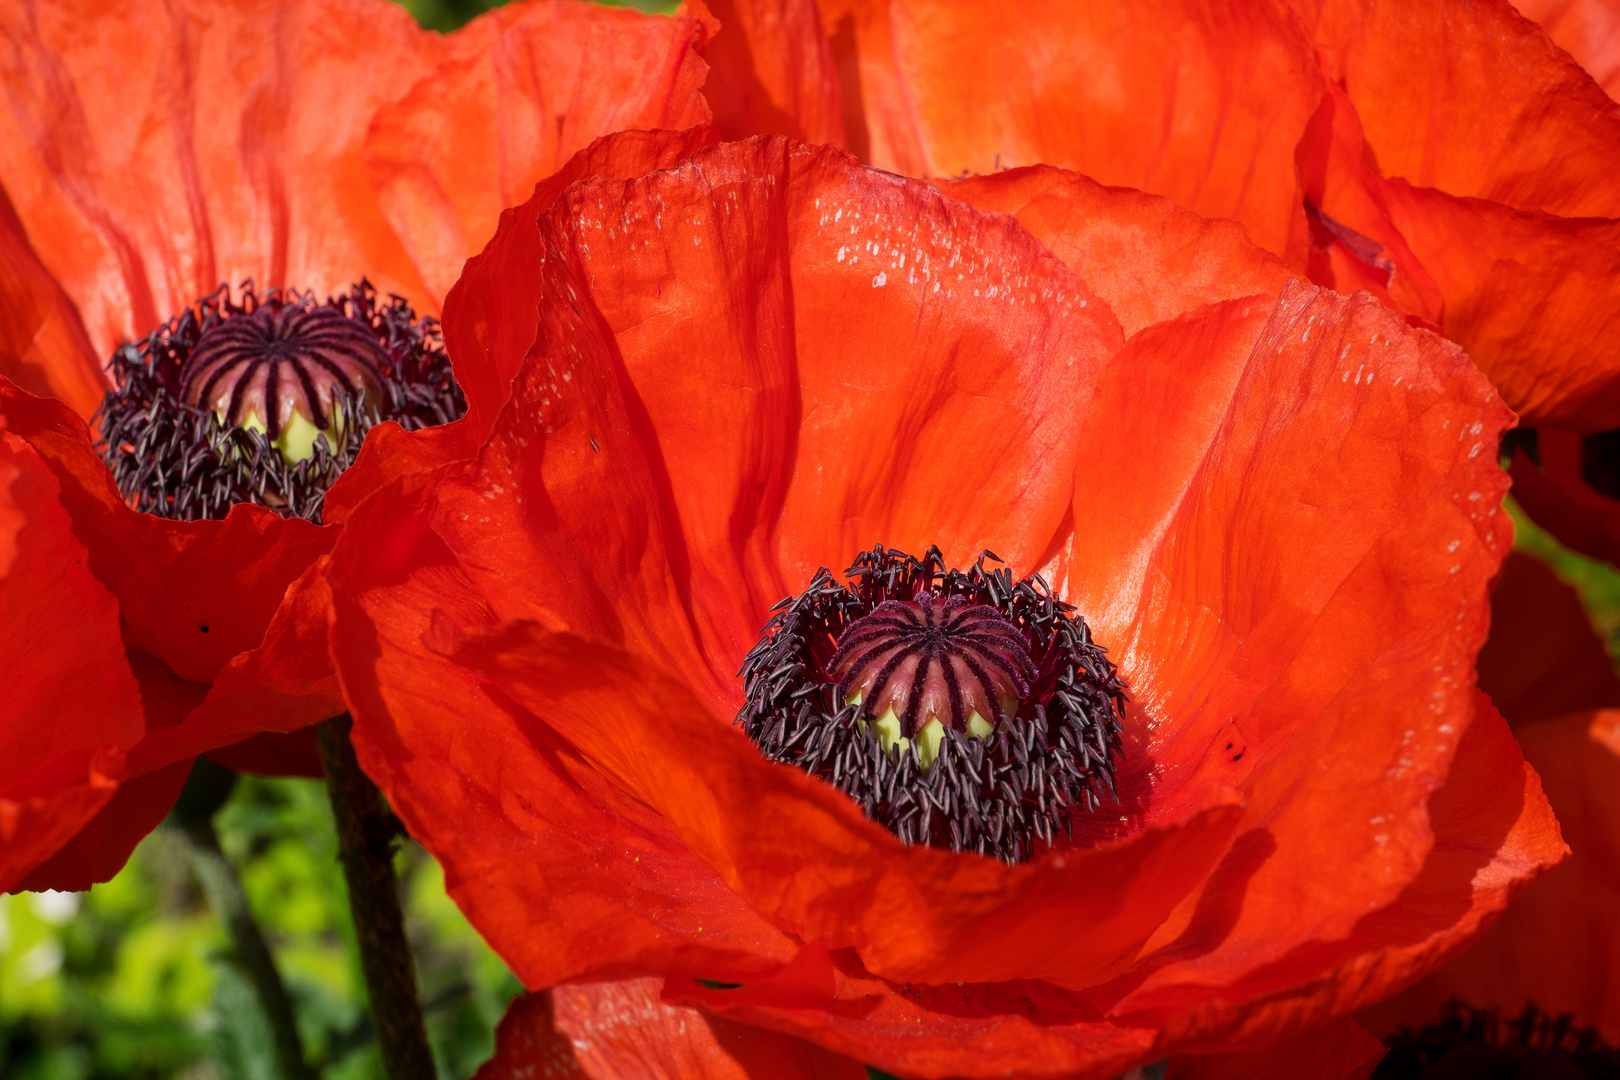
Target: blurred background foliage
(136,979)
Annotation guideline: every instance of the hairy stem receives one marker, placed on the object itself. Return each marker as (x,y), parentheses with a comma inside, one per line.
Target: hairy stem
(366,845)
(206,790)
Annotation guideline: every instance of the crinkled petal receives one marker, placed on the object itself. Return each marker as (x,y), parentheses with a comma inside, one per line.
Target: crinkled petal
(1558,945)
(1149,259)
(1543,659)
(1293,579)
(1535,299)
(771,71)
(73,707)
(192,593)
(491,314)
(623,1031)
(802,853)
(1201,103)
(526,87)
(155,150)
(43,347)
(529,834)
(1493,833)
(1472,99)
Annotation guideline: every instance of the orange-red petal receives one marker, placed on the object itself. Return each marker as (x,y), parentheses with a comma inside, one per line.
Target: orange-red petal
(43,347)
(1558,945)
(73,707)
(523,89)
(1200,103)
(1589,30)
(1147,258)
(623,1031)
(771,71)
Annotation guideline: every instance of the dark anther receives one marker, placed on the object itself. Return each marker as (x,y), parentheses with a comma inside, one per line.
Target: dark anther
(1028,707)
(1468,1043)
(275,360)
(1600,462)
(200,414)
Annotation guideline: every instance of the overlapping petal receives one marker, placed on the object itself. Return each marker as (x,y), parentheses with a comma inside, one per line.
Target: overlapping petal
(55,776)
(149,151)
(1278,509)
(1557,946)
(154,150)
(1476,195)
(1589,30)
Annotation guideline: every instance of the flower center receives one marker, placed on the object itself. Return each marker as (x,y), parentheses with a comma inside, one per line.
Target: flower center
(920,666)
(276,370)
(958,708)
(266,399)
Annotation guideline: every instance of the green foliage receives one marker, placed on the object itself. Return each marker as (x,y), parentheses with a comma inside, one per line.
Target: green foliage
(449,14)
(136,979)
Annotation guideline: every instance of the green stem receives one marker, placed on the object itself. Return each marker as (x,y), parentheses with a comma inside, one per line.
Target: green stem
(206,790)
(366,845)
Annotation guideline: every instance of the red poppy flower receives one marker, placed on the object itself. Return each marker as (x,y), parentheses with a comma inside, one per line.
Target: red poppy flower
(1447,158)
(1558,946)
(1276,508)
(150,151)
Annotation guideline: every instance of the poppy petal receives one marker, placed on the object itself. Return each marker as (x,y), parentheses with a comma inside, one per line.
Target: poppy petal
(914,913)
(1543,658)
(54,776)
(111,152)
(1493,832)
(623,1031)
(490,316)
(528,833)
(1226,89)
(250,717)
(192,593)
(1147,258)
(1558,944)
(985,403)
(43,347)
(1339,591)
(527,87)
(1535,299)
(1473,100)
(1013,1028)
(1589,30)
(771,71)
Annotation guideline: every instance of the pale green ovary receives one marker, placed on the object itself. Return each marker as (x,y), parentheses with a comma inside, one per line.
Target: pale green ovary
(928,737)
